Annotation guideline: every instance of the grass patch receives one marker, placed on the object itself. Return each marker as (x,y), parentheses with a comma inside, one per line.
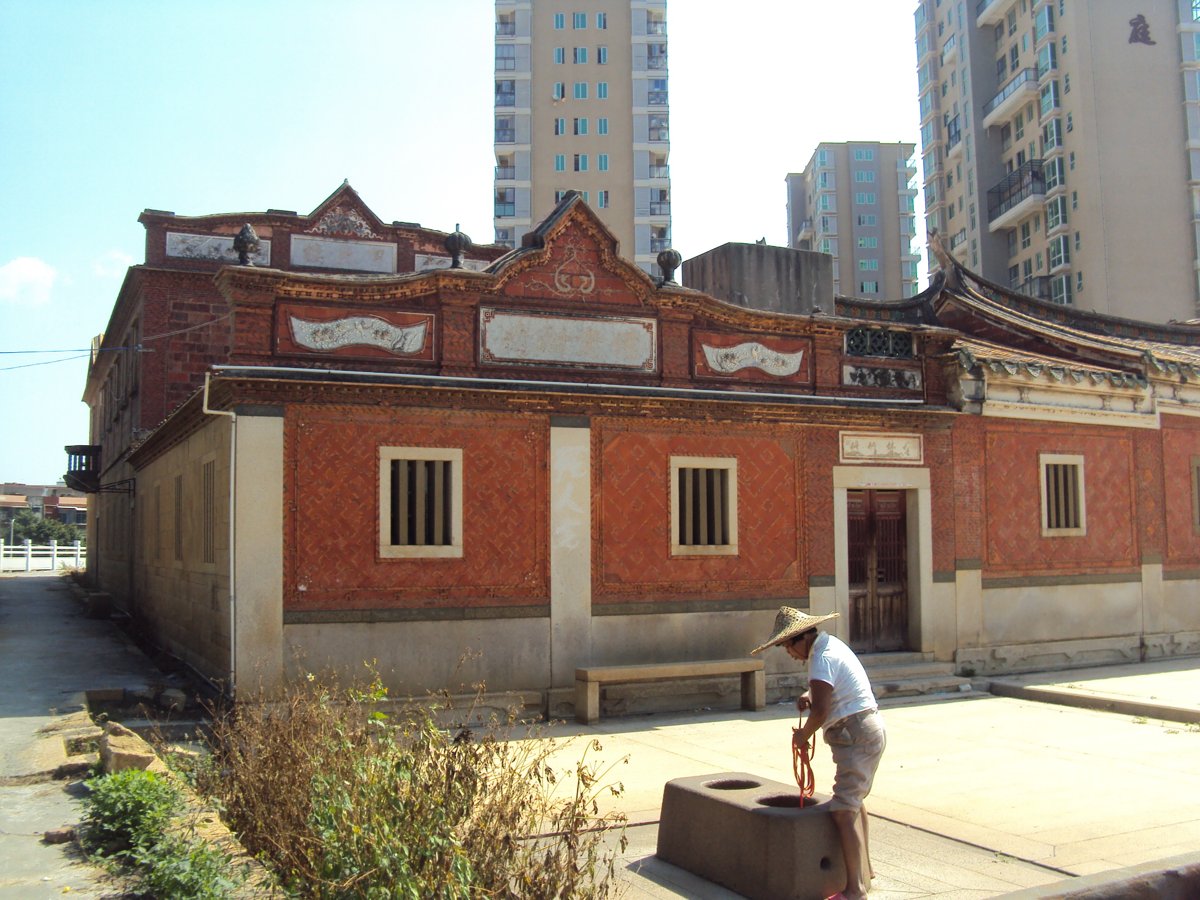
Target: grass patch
(343,793)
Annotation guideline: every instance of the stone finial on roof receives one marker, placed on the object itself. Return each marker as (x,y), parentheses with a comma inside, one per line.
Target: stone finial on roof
(948,263)
(246,243)
(669,260)
(456,245)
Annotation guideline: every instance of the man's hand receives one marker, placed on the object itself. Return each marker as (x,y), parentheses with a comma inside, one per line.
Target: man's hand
(804,701)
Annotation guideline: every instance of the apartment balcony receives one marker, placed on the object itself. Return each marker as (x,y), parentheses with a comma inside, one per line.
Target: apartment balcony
(506,173)
(506,135)
(506,29)
(950,50)
(806,232)
(505,210)
(657,245)
(507,242)
(656,98)
(1037,286)
(1021,88)
(656,62)
(663,171)
(954,141)
(506,99)
(656,27)
(658,135)
(1017,196)
(660,208)
(989,13)
(959,239)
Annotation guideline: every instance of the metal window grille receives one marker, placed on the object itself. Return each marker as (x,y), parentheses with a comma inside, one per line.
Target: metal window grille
(703,507)
(420,508)
(1062,496)
(178,517)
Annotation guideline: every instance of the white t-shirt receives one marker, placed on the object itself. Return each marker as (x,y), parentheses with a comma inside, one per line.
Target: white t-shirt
(834,663)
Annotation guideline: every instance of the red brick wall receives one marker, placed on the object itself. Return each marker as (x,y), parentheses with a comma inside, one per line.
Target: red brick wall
(331,511)
(1180,445)
(1013,531)
(967,491)
(631,515)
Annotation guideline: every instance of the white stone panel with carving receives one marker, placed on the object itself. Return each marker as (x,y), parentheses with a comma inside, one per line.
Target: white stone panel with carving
(752,355)
(216,247)
(352,256)
(857,446)
(611,342)
(429,261)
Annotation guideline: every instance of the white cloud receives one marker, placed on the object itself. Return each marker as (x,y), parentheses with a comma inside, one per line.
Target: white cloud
(112,264)
(27,281)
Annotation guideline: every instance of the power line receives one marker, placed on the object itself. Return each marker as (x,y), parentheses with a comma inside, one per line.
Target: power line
(48,362)
(153,337)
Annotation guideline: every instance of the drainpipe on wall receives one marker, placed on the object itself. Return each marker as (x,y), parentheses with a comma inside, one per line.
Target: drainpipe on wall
(232,532)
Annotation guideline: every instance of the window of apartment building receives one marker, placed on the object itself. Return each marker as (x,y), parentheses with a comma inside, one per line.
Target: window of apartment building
(178,518)
(1012,243)
(864,154)
(1047,60)
(822,157)
(581,90)
(560,56)
(1052,135)
(506,92)
(558,196)
(1056,213)
(506,57)
(602,125)
(1027,268)
(864,176)
(1026,238)
(1078,282)
(1053,173)
(824,202)
(581,125)
(1064,45)
(506,202)
(1049,97)
(560,125)
(420,502)
(703,506)
(505,133)
(1060,290)
(559,91)
(1064,510)
(868,243)
(1012,22)
(1060,252)
(658,128)
(1074,199)
(602,162)
(602,196)
(865,198)
(601,20)
(1066,83)
(1043,22)
(601,90)
(581,162)
(579,20)
(1001,68)
(208,511)
(560,21)
(828,224)
(868,265)
(602,56)
(1070,122)
(1077,241)
(560,162)
(579,55)
(868,219)
(868,287)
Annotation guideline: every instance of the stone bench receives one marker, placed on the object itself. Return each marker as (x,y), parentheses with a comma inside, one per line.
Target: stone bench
(588,680)
(751,835)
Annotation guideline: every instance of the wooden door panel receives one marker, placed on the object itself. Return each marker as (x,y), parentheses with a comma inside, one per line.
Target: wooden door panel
(878,570)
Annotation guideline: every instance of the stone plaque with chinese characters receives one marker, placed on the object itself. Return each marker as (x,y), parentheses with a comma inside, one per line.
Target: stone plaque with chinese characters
(881,447)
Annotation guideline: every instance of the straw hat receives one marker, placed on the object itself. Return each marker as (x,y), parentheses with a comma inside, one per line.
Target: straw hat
(790,622)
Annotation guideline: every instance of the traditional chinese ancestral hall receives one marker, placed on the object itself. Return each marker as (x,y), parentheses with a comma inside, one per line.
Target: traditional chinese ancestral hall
(554,461)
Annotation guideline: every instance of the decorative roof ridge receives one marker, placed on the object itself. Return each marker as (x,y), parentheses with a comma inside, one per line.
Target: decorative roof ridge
(972,354)
(919,307)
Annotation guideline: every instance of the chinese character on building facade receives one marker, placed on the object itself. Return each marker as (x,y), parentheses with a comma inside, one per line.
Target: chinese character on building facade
(1141,30)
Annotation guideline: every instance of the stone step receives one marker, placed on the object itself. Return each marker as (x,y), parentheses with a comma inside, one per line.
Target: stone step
(899,658)
(908,674)
(912,687)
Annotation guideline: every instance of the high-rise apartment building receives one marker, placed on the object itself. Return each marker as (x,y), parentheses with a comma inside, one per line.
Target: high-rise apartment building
(855,201)
(581,104)
(1061,147)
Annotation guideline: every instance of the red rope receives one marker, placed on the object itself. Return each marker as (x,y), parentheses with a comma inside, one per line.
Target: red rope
(802,765)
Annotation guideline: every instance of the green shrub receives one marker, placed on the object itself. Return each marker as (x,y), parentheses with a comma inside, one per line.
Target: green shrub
(185,868)
(127,811)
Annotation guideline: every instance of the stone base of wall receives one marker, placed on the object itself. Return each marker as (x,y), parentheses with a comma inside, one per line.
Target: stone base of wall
(1053,655)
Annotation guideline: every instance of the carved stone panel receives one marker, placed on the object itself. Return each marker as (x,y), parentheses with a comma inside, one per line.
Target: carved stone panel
(751,358)
(882,377)
(880,447)
(430,261)
(557,339)
(215,247)
(352,256)
(364,334)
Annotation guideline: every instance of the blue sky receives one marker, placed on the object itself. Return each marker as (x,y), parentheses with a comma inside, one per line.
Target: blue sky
(108,108)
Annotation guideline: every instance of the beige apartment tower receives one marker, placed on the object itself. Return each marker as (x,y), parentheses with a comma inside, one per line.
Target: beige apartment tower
(855,201)
(581,104)
(1060,145)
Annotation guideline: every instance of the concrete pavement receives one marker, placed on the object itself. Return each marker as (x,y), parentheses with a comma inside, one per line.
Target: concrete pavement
(978,795)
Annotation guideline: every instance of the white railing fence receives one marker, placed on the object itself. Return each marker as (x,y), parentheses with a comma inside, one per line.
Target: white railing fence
(27,556)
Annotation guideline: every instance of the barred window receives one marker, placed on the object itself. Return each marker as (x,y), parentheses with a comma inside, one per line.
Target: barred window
(178,518)
(208,473)
(420,502)
(1063,507)
(703,506)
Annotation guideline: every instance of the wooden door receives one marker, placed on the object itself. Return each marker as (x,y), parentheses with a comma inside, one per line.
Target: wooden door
(878,570)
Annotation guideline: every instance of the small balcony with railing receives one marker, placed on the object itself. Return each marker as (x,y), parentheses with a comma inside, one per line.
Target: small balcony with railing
(660,207)
(989,13)
(1019,90)
(83,468)
(1037,286)
(656,98)
(506,135)
(655,25)
(1019,195)
(506,28)
(806,232)
(950,50)
(659,244)
(506,173)
(506,98)
(659,170)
